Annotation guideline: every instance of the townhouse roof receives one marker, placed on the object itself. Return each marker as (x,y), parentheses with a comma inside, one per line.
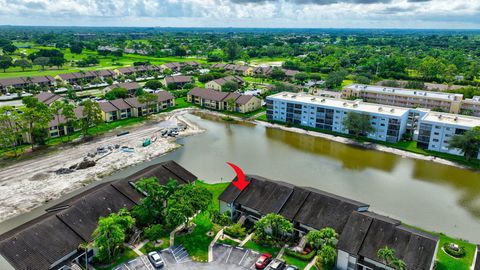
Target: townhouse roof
(107,107)
(164,96)
(178,79)
(405,92)
(126,70)
(133,101)
(127,85)
(173,65)
(47,239)
(322,209)
(311,207)
(104,72)
(47,97)
(222,81)
(211,94)
(415,248)
(77,75)
(40,79)
(231,67)
(12,81)
(120,104)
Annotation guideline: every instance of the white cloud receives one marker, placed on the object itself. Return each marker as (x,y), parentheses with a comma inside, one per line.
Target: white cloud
(245,13)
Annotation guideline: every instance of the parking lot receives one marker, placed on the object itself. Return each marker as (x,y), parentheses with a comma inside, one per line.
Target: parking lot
(176,258)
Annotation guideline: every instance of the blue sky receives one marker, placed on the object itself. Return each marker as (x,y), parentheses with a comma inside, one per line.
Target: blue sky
(459,14)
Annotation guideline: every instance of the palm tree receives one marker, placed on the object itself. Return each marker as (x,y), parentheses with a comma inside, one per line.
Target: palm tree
(386,254)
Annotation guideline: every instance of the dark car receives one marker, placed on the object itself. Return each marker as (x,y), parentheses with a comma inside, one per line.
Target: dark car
(156,259)
(277,265)
(263,261)
(291,267)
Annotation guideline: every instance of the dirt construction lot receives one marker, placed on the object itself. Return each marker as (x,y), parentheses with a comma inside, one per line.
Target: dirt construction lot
(30,183)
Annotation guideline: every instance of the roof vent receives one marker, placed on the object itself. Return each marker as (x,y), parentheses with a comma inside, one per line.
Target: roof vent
(392,110)
(323,100)
(313,99)
(344,103)
(455,119)
(355,105)
(380,109)
(439,116)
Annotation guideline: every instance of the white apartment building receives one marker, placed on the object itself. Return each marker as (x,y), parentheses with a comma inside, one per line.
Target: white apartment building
(401,97)
(471,106)
(436,129)
(327,113)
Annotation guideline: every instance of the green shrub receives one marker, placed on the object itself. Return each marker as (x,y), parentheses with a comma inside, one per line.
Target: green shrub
(154,232)
(303,257)
(221,219)
(236,231)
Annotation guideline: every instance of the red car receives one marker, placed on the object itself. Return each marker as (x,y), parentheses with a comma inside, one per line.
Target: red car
(263,261)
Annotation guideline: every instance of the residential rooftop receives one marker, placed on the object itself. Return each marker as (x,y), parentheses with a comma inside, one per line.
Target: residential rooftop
(453,119)
(406,92)
(355,105)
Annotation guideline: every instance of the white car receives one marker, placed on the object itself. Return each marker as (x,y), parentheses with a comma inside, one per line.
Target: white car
(156,259)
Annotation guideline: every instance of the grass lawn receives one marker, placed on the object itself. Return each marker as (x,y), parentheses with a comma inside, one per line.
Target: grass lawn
(262,117)
(227,241)
(197,242)
(148,247)
(445,261)
(244,115)
(262,249)
(295,261)
(216,190)
(127,255)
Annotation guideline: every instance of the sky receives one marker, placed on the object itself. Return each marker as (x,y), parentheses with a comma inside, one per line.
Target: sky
(430,14)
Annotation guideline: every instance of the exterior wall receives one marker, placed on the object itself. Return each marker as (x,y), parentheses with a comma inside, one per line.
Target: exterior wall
(390,98)
(434,136)
(345,261)
(388,128)
(213,85)
(471,106)
(252,105)
(110,116)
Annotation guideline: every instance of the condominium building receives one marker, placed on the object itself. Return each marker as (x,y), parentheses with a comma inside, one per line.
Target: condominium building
(401,97)
(389,122)
(436,129)
(471,106)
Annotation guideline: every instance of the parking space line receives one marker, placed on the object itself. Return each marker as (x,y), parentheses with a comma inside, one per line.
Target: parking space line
(244,255)
(228,256)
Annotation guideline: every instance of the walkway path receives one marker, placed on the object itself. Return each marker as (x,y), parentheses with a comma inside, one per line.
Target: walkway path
(246,240)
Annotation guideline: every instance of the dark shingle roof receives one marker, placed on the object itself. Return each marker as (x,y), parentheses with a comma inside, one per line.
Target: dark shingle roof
(47,97)
(244,99)
(164,95)
(107,107)
(209,94)
(354,232)
(47,239)
(178,79)
(415,248)
(223,80)
(82,217)
(128,85)
(12,81)
(120,104)
(311,207)
(322,209)
(134,102)
(40,79)
(261,190)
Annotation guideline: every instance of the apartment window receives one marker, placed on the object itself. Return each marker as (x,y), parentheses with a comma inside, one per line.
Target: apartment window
(435,140)
(382,124)
(436,133)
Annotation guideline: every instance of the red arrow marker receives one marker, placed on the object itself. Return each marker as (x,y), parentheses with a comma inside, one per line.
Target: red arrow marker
(241,182)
